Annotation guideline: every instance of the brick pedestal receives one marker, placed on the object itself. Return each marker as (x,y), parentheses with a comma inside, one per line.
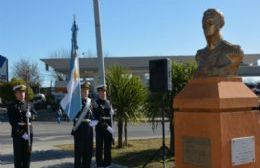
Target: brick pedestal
(212,112)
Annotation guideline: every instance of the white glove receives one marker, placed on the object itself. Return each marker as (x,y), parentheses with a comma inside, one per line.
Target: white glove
(93,123)
(28,114)
(110,130)
(25,136)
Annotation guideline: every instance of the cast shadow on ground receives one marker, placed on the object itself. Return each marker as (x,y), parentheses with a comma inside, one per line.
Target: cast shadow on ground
(39,156)
(62,165)
(135,159)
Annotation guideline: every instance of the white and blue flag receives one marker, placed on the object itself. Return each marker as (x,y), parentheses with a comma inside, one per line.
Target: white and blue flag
(71,103)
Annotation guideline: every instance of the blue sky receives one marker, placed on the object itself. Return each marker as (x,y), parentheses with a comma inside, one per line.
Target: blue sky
(36,28)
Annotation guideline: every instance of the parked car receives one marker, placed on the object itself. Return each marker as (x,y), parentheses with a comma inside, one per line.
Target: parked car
(39,101)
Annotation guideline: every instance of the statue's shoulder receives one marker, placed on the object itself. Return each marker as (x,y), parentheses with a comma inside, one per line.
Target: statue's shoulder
(200,53)
(232,48)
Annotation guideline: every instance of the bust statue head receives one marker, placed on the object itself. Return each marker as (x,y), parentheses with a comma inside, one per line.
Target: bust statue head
(212,22)
(219,57)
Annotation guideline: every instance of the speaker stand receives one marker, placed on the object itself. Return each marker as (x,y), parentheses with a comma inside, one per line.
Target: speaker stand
(162,150)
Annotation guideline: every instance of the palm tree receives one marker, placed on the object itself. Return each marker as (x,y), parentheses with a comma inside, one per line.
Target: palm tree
(128,96)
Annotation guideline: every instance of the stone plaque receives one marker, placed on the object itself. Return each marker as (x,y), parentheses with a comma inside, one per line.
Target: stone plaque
(243,150)
(197,151)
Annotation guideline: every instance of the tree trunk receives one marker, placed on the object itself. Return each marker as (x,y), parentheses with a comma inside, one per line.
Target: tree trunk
(120,133)
(125,131)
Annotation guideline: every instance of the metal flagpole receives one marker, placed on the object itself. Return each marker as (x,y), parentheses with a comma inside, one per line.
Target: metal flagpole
(28,113)
(101,66)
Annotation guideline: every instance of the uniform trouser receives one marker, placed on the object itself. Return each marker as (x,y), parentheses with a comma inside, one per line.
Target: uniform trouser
(22,153)
(83,150)
(103,140)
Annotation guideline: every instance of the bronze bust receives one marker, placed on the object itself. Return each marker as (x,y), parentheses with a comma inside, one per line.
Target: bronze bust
(219,57)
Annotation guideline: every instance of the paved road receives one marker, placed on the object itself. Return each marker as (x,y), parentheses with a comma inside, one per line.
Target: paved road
(51,131)
(49,134)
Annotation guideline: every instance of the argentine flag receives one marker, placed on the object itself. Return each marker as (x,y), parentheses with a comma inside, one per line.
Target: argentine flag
(71,103)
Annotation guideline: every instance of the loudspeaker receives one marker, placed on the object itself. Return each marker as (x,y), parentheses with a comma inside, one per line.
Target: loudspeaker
(160,75)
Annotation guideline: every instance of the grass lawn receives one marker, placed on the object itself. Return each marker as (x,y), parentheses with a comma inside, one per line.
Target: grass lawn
(136,154)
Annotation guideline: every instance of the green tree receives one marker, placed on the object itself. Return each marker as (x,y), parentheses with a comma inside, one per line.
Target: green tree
(128,95)
(7,93)
(181,74)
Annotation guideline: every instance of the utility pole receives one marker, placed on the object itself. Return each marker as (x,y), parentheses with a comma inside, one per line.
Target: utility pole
(101,66)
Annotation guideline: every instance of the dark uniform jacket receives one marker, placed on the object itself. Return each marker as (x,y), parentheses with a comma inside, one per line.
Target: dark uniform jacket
(102,113)
(16,112)
(85,123)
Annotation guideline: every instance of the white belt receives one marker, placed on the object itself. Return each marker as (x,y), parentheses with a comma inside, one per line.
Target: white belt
(106,118)
(84,120)
(23,124)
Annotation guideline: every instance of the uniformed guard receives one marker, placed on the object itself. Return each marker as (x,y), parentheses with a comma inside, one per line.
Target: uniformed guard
(83,131)
(104,131)
(22,133)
